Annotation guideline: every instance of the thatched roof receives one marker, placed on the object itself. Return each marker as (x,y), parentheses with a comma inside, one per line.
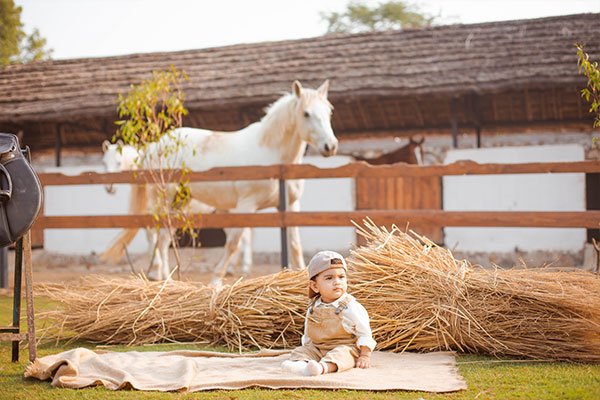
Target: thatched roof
(478,59)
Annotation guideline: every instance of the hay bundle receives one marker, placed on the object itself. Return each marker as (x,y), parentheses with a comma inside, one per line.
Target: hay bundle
(419,298)
(128,311)
(263,312)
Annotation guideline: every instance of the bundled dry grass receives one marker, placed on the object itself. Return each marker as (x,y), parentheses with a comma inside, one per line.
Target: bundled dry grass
(419,298)
(262,312)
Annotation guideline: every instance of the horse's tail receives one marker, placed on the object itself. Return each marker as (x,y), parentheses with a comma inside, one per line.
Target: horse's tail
(138,204)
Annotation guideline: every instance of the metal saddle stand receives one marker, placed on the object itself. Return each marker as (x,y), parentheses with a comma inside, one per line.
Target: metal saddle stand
(13,333)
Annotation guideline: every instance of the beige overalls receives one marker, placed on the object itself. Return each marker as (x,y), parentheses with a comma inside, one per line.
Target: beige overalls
(329,341)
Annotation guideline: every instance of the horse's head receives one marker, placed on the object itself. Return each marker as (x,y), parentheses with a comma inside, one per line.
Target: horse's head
(416,147)
(111,157)
(118,157)
(111,160)
(314,118)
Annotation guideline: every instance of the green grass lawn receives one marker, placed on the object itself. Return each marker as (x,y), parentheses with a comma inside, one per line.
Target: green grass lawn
(487,378)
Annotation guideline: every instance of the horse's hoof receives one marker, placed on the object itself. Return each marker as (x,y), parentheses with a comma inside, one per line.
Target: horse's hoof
(246,269)
(153,278)
(228,273)
(216,283)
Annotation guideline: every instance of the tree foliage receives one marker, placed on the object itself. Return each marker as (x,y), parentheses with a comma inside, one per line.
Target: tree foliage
(151,109)
(149,112)
(15,45)
(591,93)
(360,17)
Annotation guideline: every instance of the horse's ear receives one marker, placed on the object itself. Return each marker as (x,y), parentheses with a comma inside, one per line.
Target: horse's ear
(121,143)
(297,88)
(418,141)
(105,145)
(323,89)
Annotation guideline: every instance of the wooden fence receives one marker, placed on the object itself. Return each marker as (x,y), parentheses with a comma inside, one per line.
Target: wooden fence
(564,219)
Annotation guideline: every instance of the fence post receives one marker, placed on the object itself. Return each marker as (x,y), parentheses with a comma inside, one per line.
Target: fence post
(454,122)
(4,267)
(17,296)
(282,208)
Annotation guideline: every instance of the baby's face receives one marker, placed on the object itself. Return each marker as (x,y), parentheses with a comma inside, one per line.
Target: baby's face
(331,284)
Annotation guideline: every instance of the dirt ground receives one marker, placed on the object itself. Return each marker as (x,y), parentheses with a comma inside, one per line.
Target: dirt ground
(197,264)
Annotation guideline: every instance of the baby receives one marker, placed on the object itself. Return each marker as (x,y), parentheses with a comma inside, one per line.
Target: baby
(337,335)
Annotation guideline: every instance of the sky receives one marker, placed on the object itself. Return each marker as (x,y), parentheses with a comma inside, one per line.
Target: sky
(98,28)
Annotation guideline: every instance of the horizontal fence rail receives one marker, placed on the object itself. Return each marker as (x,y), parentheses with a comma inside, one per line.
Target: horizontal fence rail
(305,171)
(556,219)
(562,219)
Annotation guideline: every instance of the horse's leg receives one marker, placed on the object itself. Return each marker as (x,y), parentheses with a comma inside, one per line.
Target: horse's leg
(197,207)
(246,250)
(243,258)
(235,260)
(155,269)
(163,250)
(295,245)
(294,191)
(232,246)
(154,240)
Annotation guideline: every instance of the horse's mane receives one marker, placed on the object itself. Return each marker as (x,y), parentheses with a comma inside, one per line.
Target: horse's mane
(278,104)
(278,121)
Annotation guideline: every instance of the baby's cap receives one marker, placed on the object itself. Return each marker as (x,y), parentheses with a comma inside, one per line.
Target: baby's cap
(322,262)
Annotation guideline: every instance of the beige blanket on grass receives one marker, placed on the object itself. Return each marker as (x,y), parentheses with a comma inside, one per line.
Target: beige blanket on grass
(200,370)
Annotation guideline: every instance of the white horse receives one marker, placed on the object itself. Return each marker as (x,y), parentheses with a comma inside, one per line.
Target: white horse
(118,157)
(280,137)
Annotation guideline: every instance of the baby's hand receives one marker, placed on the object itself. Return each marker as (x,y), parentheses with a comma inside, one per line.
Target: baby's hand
(363,362)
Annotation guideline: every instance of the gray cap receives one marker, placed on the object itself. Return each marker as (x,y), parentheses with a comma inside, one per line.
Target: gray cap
(322,262)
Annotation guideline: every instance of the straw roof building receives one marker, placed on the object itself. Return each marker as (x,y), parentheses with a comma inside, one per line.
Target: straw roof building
(502,75)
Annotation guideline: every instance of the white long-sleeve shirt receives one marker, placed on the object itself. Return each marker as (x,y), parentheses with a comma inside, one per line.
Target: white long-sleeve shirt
(355,320)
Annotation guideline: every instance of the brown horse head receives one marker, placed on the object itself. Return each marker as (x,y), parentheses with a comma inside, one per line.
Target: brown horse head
(412,153)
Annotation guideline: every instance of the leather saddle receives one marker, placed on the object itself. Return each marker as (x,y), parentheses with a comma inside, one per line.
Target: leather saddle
(20,191)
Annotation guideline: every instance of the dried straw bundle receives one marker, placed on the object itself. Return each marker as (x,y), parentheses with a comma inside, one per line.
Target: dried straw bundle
(419,298)
(129,311)
(263,312)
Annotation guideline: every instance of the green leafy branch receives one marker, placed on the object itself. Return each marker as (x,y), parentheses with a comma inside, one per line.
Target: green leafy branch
(149,112)
(591,93)
(152,108)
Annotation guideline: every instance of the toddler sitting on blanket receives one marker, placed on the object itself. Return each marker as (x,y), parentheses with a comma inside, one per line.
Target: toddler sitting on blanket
(337,335)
